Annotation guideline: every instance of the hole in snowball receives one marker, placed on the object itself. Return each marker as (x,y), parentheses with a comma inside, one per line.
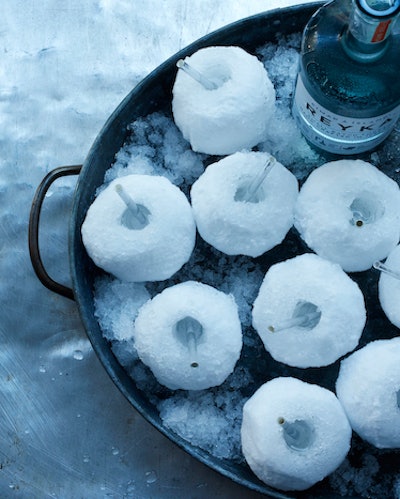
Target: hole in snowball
(365,209)
(251,191)
(135,220)
(189,331)
(135,216)
(242,193)
(219,73)
(298,435)
(306,315)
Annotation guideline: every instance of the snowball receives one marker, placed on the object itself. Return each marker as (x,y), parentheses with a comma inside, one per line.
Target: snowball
(389,288)
(236,226)
(236,114)
(349,212)
(163,336)
(154,252)
(308,312)
(294,433)
(368,386)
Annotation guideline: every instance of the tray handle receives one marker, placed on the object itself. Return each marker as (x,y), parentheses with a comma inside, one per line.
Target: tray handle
(33,234)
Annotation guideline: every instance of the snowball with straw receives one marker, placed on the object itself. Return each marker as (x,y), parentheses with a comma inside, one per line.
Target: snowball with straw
(368,387)
(140,228)
(244,203)
(189,335)
(308,312)
(294,433)
(389,285)
(223,100)
(348,211)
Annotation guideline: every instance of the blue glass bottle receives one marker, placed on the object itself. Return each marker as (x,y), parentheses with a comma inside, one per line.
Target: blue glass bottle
(347,97)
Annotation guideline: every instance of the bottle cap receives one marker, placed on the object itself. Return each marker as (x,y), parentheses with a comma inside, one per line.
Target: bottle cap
(382,9)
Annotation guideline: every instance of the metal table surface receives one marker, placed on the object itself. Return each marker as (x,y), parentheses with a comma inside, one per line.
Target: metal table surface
(65,430)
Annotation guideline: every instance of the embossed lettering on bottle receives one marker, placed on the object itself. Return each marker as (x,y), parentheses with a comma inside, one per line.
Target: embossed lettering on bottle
(339,134)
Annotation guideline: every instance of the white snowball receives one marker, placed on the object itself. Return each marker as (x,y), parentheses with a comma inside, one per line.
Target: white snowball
(368,386)
(237,227)
(153,253)
(314,413)
(339,196)
(335,302)
(232,117)
(166,352)
(389,288)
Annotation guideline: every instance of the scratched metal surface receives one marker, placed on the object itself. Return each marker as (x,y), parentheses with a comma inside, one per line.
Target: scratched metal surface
(65,430)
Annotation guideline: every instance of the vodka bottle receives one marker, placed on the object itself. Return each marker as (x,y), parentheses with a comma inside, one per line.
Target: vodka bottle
(347,97)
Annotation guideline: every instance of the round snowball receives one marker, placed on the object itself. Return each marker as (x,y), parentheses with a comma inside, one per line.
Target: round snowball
(389,288)
(323,433)
(153,253)
(233,116)
(234,226)
(166,351)
(368,386)
(349,212)
(318,290)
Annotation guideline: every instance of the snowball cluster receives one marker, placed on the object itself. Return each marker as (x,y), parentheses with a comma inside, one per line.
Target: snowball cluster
(230,222)
(233,116)
(154,252)
(368,386)
(294,433)
(348,211)
(308,312)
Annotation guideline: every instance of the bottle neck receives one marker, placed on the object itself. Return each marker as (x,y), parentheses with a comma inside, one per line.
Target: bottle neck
(370,25)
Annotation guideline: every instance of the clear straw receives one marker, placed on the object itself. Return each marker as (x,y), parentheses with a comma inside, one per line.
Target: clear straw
(196,75)
(189,331)
(248,194)
(305,315)
(137,214)
(386,270)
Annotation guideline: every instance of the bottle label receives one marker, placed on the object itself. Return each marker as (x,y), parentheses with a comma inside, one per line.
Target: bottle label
(335,133)
(381,31)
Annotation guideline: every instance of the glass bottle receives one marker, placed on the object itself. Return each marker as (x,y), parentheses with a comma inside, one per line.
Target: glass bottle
(347,97)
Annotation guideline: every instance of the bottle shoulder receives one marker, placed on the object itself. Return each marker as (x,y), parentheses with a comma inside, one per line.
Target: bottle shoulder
(338,81)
